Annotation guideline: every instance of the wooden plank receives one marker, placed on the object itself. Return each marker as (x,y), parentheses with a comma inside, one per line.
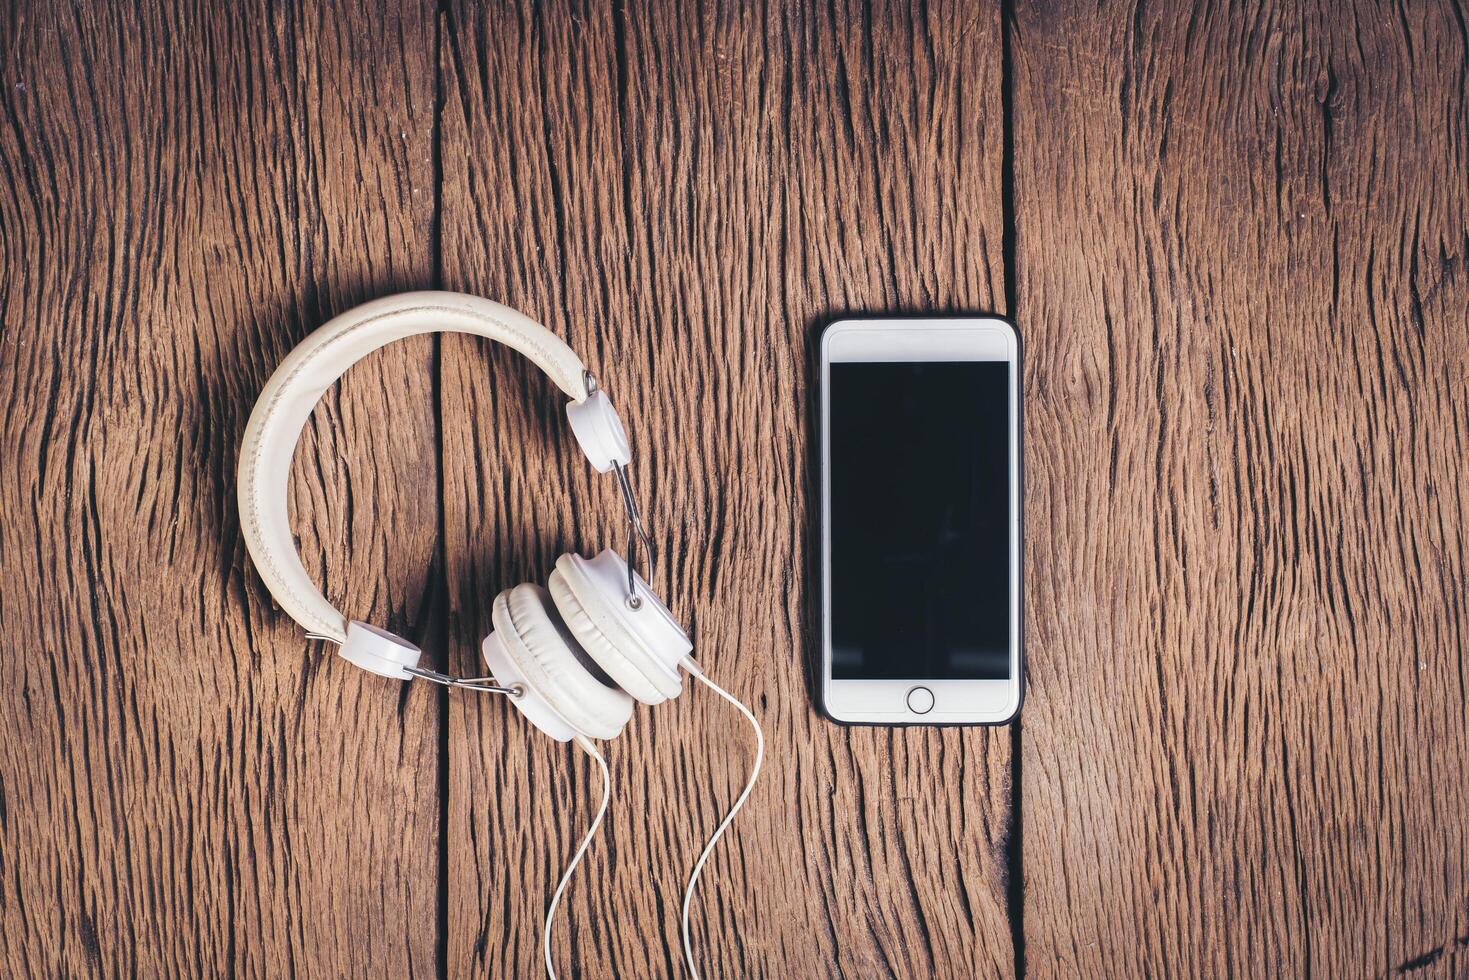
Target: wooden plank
(1241,269)
(185,788)
(684,194)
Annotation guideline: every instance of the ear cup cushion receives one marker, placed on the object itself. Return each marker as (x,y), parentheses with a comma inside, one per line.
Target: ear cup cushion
(616,650)
(546,652)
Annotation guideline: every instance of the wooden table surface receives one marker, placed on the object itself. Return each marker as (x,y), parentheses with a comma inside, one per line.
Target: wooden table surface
(1234,241)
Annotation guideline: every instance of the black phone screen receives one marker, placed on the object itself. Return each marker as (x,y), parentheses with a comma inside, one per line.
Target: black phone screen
(920,520)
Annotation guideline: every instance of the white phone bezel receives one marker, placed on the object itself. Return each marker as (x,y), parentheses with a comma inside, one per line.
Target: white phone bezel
(884,702)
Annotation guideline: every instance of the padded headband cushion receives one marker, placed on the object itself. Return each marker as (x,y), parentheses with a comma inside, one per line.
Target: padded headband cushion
(625,656)
(546,654)
(313,367)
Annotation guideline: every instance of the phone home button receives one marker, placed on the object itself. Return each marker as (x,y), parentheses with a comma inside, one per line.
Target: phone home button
(920,700)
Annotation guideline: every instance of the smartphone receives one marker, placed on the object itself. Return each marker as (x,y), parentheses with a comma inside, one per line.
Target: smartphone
(921,590)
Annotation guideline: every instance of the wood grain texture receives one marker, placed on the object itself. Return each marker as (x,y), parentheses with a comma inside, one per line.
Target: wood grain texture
(1241,272)
(1239,259)
(684,192)
(185,788)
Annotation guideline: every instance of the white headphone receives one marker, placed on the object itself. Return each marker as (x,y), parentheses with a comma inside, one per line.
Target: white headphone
(573,657)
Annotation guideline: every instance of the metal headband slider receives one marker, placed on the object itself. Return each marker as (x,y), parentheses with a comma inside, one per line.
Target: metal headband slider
(635,533)
(486,684)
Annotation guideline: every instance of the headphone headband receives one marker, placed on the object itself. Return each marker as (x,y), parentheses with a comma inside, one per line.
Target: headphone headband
(321,359)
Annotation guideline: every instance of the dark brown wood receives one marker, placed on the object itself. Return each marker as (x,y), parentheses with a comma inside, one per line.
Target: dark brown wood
(1241,266)
(684,193)
(186,787)
(1239,257)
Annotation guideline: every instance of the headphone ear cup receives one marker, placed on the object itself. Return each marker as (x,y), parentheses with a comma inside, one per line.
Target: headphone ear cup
(639,649)
(553,666)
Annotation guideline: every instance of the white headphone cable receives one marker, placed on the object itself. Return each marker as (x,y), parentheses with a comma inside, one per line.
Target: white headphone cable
(591,750)
(688,895)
